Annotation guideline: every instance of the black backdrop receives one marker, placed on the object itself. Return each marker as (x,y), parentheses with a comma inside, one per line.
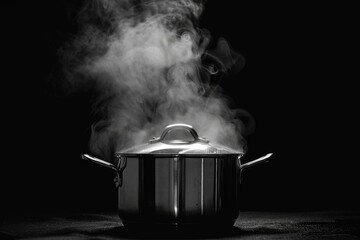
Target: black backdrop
(298,83)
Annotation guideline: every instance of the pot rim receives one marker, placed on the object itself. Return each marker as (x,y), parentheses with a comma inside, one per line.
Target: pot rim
(169,155)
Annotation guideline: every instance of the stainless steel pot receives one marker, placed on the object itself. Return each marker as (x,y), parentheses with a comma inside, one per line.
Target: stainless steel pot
(178,179)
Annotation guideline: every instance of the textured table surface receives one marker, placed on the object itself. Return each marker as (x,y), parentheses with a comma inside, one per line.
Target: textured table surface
(250,225)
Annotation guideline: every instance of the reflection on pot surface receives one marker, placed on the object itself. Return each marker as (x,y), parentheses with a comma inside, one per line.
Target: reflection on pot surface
(178,179)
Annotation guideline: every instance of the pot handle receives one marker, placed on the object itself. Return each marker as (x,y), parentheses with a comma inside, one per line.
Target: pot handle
(253,163)
(118,170)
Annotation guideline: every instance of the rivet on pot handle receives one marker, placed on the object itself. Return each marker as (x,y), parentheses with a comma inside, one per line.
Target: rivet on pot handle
(253,163)
(118,170)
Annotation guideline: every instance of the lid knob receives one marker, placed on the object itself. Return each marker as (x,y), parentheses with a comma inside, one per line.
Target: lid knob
(179,133)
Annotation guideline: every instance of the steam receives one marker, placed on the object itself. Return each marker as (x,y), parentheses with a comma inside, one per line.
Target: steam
(149,63)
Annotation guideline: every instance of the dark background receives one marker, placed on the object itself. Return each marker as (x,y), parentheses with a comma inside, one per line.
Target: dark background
(298,83)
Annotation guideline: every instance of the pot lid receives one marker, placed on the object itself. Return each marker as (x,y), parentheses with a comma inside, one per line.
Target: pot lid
(180,139)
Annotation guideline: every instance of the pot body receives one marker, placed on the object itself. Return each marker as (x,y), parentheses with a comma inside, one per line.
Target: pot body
(179,190)
(178,179)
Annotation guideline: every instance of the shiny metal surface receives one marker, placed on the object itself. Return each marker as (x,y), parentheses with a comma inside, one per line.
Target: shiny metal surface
(178,181)
(180,139)
(254,162)
(118,169)
(176,187)
(179,190)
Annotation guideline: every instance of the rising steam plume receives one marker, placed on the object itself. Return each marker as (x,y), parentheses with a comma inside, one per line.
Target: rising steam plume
(149,62)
